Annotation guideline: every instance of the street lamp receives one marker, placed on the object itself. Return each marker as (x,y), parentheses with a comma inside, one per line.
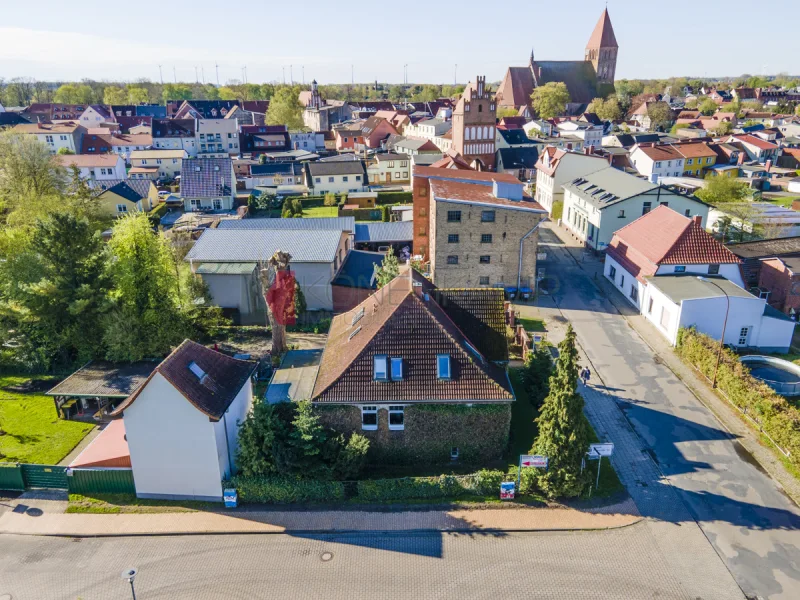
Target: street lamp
(724,325)
(129,575)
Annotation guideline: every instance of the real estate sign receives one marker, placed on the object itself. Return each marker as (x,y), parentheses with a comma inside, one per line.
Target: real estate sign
(507,490)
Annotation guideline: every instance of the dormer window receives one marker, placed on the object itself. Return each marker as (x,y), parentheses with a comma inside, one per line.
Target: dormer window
(380,369)
(443,366)
(397,368)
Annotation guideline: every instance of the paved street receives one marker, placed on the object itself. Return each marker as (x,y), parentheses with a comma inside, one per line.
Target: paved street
(680,466)
(620,564)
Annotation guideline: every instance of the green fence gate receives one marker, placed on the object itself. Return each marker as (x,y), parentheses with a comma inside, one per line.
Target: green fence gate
(11,477)
(101,481)
(44,476)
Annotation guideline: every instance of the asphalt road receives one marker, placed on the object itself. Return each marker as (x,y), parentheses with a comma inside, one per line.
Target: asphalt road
(599,565)
(753,527)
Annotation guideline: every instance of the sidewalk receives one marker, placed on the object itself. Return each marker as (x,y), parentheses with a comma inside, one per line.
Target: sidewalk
(725,413)
(243,520)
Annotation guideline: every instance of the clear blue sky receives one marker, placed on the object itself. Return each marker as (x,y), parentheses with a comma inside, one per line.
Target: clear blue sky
(103,39)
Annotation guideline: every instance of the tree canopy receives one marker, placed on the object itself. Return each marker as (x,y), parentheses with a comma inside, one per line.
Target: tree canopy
(388,270)
(607,109)
(285,108)
(722,190)
(550,100)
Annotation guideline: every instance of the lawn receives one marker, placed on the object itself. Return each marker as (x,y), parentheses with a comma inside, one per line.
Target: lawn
(531,324)
(321,212)
(785,201)
(130,504)
(33,431)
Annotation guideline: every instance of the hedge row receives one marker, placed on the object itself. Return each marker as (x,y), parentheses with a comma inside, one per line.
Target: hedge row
(395,198)
(776,416)
(285,490)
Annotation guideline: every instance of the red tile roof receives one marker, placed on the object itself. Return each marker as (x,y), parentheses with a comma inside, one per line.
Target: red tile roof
(479,194)
(664,237)
(661,152)
(754,141)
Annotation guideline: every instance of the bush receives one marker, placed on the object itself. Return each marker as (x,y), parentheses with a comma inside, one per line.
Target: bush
(386,213)
(285,490)
(777,417)
(444,486)
(352,457)
(330,199)
(395,198)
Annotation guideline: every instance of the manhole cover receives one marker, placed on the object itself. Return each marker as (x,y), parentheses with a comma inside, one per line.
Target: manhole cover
(34,512)
(326,556)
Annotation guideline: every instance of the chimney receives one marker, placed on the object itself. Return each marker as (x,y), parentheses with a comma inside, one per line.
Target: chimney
(698,219)
(768,165)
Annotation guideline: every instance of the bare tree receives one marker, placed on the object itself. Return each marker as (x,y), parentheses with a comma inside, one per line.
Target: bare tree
(267,274)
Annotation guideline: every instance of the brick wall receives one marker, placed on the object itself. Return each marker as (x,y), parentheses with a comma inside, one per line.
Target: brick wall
(421,200)
(784,286)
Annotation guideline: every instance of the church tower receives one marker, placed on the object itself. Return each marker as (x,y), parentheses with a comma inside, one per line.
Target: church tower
(474,124)
(602,50)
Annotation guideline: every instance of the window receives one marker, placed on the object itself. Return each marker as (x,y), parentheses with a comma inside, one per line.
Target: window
(452,238)
(405,174)
(650,307)
(217,204)
(680,268)
(397,368)
(688,212)
(485,259)
(612,272)
(487,216)
(713,269)
(689,162)
(452,260)
(121,208)
(483,280)
(646,207)
(391,164)
(423,212)
(369,418)
(454,453)
(423,191)
(330,179)
(622,281)
(396,418)
(317,180)
(486,238)
(379,368)
(634,292)
(454,216)
(621,214)
(658,164)
(358,177)
(443,366)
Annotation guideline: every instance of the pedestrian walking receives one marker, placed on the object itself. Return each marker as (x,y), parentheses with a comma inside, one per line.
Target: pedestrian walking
(586,375)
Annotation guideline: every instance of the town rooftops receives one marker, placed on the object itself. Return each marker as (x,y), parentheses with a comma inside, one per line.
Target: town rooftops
(320,169)
(465,176)
(659,153)
(208,379)
(515,136)
(253,245)
(111,140)
(505,195)
(689,287)
(169,128)
(88,160)
(287,168)
(753,141)
(131,189)
(206,177)
(105,379)
(47,128)
(399,231)
(401,320)
(390,156)
(332,223)
(766,248)
(608,186)
(697,150)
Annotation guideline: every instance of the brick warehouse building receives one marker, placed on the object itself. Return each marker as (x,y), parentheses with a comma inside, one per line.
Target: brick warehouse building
(472,227)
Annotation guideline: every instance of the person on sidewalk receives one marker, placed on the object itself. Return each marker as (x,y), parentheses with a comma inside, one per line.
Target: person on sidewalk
(585,375)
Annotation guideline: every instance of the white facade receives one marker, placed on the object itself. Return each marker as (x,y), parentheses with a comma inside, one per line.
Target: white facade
(338,184)
(307,140)
(592,135)
(655,169)
(217,137)
(92,118)
(189,144)
(397,170)
(177,451)
(570,166)
(168,162)
(103,171)
(427,129)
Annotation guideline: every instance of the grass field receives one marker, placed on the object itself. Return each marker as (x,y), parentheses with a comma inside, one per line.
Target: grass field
(531,324)
(321,212)
(33,431)
(109,504)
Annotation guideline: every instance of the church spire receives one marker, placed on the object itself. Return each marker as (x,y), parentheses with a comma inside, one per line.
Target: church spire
(603,34)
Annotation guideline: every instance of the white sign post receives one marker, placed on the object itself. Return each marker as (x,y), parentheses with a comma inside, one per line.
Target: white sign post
(598,451)
(530,460)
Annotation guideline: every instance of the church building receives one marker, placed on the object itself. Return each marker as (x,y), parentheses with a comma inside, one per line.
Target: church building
(582,77)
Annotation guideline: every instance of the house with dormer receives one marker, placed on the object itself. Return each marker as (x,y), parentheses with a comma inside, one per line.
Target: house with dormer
(208,184)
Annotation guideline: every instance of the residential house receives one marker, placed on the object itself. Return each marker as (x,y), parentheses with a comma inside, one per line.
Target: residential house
(116,143)
(95,115)
(336,177)
(127,196)
(182,425)
(167,163)
(389,168)
(67,135)
(779,283)
(175,134)
(258,139)
(428,129)
(756,148)
(200,109)
(678,276)
(657,161)
(307,140)
(273,175)
(348,139)
(477,229)
(217,138)
(600,203)
(393,362)
(53,111)
(94,167)
(208,184)
(556,167)
(412,147)
(697,158)
(519,162)
(375,130)
(590,134)
(226,258)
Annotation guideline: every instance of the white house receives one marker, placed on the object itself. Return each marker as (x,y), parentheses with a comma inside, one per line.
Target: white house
(217,137)
(95,115)
(175,134)
(389,168)
(677,275)
(208,184)
(95,167)
(307,140)
(337,177)
(592,135)
(167,163)
(427,129)
(598,204)
(182,424)
(756,148)
(66,135)
(655,162)
(556,167)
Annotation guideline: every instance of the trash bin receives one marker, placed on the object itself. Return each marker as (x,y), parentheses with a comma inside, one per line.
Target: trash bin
(231,498)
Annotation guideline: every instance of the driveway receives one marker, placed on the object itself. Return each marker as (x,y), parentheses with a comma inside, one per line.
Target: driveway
(704,495)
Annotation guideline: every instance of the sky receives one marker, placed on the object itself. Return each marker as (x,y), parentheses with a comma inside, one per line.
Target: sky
(321,39)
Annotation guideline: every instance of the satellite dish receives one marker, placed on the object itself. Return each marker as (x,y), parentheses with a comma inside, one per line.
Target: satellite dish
(129,574)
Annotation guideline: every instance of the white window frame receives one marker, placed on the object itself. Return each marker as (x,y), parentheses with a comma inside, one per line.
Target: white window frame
(379,374)
(369,410)
(122,209)
(394,410)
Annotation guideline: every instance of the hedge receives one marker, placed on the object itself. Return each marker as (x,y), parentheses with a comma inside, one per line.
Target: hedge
(285,490)
(778,418)
(363,214)
(159,211)
(395,198)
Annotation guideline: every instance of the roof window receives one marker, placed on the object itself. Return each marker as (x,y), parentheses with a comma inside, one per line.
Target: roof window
(443,366)
(197,370)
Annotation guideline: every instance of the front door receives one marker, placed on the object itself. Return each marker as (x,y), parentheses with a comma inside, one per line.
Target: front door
(744,335)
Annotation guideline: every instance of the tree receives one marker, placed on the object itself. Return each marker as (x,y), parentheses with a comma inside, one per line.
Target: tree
(724,128)
(259,436)
(536,374)
(607,109)
(277,302)
(708,107)
(352,456)
(505,111)
(285,108)
(389,269)
(74,93)
(563,430)
(306,443)
(55,292)
(550,100)
(721,190)
(138,95)
(115,95)
(30,176)
(176,91)
(660,115)
(147,318)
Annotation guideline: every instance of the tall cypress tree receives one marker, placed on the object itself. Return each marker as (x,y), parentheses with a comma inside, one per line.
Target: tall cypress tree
(563,430)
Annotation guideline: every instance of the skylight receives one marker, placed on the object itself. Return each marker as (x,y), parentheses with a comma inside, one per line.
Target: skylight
(355,331)
(443,366)
(198,372)
(358,316)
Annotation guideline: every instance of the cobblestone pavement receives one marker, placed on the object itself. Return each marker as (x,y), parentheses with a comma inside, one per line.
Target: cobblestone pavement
(709,507)
(616,564)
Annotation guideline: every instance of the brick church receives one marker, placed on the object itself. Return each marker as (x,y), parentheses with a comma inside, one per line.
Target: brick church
(582,77)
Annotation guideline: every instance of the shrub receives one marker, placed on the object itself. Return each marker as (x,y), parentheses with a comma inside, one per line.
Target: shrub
(395,198)
(386,213)
(352,457)
(330,199)
(285,490)
(444,486)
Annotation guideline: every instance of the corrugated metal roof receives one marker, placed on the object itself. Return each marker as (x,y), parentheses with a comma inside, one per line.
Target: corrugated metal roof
(332,223)
(252,245)
(244,268)
(400,231)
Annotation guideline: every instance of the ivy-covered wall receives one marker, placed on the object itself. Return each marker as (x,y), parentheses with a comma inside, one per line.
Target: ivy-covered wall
(480,432)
